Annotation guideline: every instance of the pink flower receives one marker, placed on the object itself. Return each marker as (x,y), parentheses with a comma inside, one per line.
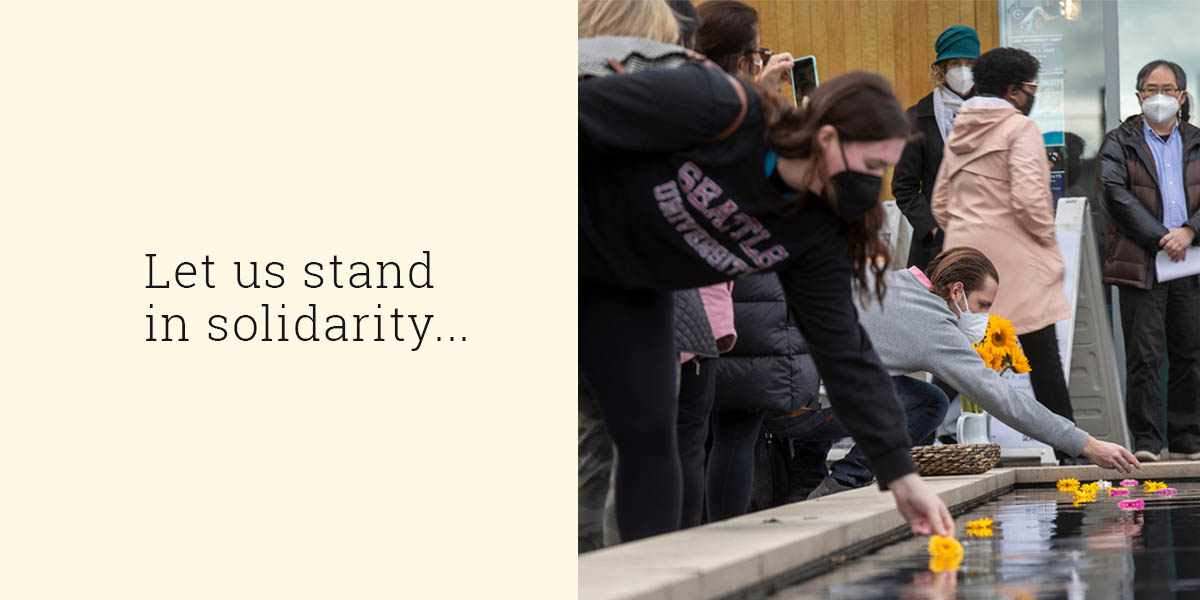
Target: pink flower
(1118,492)
(1167,492)
(1129,483)
(1138,504)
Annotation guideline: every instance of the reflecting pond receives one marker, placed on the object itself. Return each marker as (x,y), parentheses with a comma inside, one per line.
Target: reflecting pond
(1042,545)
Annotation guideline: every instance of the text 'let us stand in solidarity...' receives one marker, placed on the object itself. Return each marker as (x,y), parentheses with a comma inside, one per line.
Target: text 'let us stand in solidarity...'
(270,322)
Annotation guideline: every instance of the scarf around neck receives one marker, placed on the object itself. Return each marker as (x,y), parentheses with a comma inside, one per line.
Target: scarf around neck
(945,107)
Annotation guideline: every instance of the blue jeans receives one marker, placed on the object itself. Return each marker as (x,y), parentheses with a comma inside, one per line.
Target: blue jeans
(924,406)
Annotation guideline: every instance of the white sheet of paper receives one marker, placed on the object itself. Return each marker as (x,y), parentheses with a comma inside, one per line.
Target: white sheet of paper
(1168,269)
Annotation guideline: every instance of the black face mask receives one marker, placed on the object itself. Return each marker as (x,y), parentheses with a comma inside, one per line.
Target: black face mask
(1028,106)
(857,192)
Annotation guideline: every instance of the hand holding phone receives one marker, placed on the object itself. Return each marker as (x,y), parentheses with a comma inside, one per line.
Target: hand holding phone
(804,77)
(775,72)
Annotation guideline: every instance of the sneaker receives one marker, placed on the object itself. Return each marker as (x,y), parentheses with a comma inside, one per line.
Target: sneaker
(1182,455)
(828,486)
(1148,456)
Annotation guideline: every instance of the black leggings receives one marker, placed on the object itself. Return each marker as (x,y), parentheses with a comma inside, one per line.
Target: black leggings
(627,358)
(1046,374)
(697,387)
(731,462)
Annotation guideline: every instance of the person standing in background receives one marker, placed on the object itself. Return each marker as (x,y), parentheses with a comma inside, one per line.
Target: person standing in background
(933,117)
(773,377)
(728,36)
(1150,184)
(993,193)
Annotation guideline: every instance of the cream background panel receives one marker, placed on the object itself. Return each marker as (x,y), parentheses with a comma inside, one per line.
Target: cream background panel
(291,132)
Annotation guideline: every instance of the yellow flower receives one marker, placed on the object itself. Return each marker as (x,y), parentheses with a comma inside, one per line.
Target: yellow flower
(1001,333)
(980,532)
(1090,488)
(985,352)
(979,524)
(942,564)
(1020,364)
(1153,486)
(999,358)
(1068,485)
(944,546)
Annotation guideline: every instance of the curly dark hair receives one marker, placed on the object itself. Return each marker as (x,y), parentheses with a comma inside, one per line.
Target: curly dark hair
(999,68)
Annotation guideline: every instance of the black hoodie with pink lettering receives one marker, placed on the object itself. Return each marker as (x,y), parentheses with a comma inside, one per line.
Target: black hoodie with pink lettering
(661,208)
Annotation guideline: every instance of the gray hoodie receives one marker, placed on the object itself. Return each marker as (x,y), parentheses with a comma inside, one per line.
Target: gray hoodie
(914,330)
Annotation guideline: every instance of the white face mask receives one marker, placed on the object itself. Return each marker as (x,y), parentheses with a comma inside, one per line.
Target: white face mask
(1159,108)
(960,79)
(973,325)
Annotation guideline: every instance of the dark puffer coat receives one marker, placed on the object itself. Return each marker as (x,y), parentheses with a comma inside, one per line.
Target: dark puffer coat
(769,368)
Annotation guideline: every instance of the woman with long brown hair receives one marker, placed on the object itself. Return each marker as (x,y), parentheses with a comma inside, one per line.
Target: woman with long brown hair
(690,177)
(769,370)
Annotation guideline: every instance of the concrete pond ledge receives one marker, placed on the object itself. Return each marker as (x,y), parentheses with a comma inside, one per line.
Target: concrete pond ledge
(727,557)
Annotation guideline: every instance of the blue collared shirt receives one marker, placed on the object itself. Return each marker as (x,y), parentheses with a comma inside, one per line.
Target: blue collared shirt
(1168,161)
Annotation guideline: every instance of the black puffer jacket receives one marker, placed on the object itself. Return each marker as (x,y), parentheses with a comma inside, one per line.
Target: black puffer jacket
(769,368)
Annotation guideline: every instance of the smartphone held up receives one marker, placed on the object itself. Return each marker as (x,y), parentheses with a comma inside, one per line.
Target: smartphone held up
(804,77)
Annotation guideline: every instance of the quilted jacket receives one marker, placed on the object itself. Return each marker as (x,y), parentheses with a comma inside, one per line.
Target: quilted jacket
(769,368)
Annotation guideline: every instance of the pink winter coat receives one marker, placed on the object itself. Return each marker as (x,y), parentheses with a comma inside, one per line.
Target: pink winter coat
(718,307)
(993,194)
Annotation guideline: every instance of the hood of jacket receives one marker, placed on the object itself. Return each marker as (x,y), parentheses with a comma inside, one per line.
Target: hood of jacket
(974,126)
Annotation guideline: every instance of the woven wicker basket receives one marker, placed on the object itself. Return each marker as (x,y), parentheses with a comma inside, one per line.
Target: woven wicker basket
(955,459)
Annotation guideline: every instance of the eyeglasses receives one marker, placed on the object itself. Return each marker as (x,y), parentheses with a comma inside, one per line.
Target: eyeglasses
(1033,83)
(759,57)
(1169,90)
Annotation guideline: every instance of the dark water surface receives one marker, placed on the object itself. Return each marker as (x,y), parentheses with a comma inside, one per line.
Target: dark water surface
(1042,547)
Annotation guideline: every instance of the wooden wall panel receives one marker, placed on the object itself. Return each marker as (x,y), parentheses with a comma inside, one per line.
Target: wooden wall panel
(892,37)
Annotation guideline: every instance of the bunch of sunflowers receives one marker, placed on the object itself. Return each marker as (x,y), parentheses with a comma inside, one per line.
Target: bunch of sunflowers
(999,350)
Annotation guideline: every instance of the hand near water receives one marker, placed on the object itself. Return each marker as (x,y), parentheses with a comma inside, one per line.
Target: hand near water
(1110,456)
(924,510)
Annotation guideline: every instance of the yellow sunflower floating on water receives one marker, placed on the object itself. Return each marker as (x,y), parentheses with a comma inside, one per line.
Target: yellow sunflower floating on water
(942,564)
(979,523)
(980,528)
(1068,485)
(940,545)
(1153,486)
(1081,500)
